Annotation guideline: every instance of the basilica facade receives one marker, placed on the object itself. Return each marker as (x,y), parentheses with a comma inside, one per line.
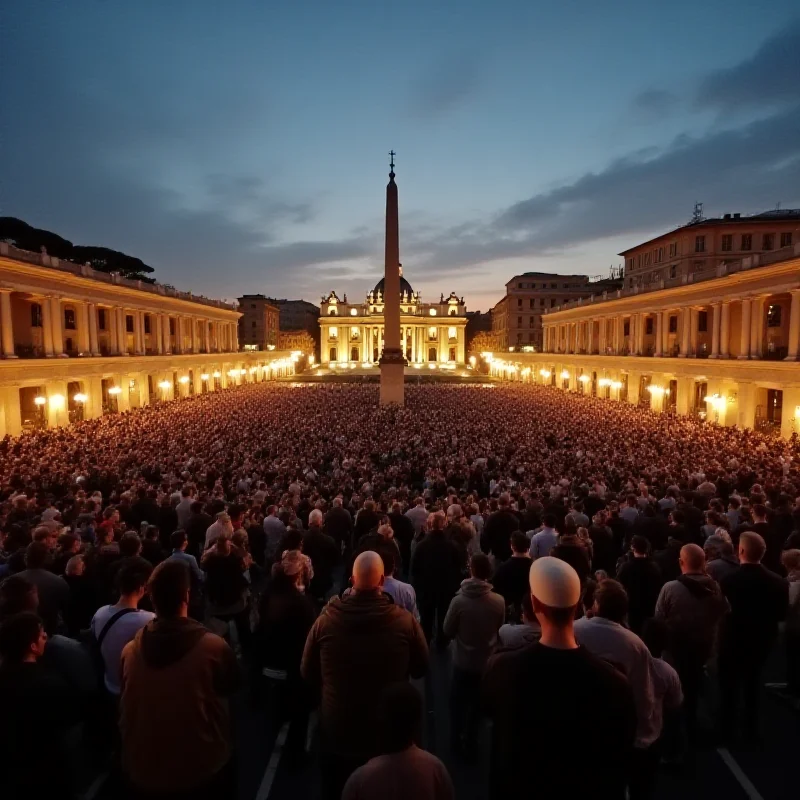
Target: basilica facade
(431,334)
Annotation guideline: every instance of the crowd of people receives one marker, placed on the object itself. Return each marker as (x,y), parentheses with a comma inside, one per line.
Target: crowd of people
(154,563)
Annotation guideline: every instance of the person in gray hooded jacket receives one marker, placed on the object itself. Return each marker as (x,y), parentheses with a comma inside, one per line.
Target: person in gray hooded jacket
(473,620)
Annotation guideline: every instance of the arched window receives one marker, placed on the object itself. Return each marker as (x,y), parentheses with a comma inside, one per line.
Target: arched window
(331,312)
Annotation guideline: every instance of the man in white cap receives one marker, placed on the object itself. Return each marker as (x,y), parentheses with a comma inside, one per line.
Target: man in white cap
(542,696)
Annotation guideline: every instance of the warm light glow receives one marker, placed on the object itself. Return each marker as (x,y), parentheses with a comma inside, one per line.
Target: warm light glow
(526,371)
(353,312)
(473,361)
(658,391)
(216,374)
(270,347)
(184,379)
(333,332)
(164,385)
(433,312)
(545,373)
(616,385)
(311,360)
(204,377)
(80,397)
(451,332)
(56,401)
(114,390)
(431,332)
(584,378)
(604,382)
(432,365)
(253,370)
(564,375)
(417,366)
(39,400)
(511,349)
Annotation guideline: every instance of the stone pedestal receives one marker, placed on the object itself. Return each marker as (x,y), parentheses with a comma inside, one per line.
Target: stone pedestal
(392,377)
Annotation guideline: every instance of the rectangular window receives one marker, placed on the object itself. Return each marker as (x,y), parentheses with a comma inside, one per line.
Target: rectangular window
(648,326)
(552,302)
(673,271)
(129,323)
(554,286)
(673,324)
(531,302)
(171,327)
(626,328)
(69,319)
(519,286)
(673,250)
(699,244)
(747,241)
(147,323)
(786,239)
(541,301)
(774,316)
(519,320)
(660,254)
(631,263)
(727,242)
(767,241)
(101,319)
(702,321)
(519,302)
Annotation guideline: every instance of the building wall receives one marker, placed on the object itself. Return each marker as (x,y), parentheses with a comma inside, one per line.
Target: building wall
(259,324)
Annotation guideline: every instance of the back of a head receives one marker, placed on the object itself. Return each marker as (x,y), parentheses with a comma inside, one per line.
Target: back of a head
(176,539)
(504,501)
(396,508)
(640,545)
(369,505)
(556,590)
(17,634)
(791,560)
(693,558)
(480,567)
(36,555)
(130,544)
(133,576)
(519,542)
(367,571)
(611,600)
(17,594)
(337,502)
(549,520)
(315,519)
(196,507)
(169,587)
(401,717)
(437,521)
(751,547)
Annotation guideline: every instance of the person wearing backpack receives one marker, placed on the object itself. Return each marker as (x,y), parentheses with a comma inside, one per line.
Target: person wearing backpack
(114,626)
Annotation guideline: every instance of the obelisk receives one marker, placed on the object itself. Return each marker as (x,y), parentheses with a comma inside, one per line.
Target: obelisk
(392,360)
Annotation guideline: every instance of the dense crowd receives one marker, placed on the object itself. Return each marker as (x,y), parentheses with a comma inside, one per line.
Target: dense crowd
(154,563)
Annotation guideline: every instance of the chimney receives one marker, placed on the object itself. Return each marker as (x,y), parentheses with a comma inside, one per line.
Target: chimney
(726,216)
(737,216)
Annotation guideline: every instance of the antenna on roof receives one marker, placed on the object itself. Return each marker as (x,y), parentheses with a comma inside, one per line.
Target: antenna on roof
(778,206)
(697,215)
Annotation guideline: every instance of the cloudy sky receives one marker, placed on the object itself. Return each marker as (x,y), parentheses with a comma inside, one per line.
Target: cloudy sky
(242,146)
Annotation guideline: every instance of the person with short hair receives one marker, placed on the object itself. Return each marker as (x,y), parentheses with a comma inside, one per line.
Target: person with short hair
(179,542)
(642,580)
(36,703)
(403,770)
(402,593)
(791,563)
(53,589)
(496,536)
(759,600)
(604,634)
(527,632)
(174,719)
(543,541)
(358,646)
(511,577)
(472,621)
(323,552)
(527,723)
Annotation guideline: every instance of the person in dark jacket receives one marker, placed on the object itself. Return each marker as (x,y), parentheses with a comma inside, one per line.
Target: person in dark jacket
(285,617)
(339,525)
(199,523)
(652,526)
(324,555)
(35,702)
(152,550)
(496,537)
(359,645)
(367,519)
(436,576)
(144,509)
(403,529)
(759,600)
(642,581)
(167,521)
(604,549)
(668,559)
(511,578)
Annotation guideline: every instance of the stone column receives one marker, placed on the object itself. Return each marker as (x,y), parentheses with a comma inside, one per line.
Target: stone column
(746,395)
(82,321)
(791,401)
(10,412)
(7,324)
(725,330)
(659,351)
(235,335)
(138,332)
(756,328)
(122,325)
(57,321)
(684,324)
(794,326)
(693,333)
(113,330)
(744,337)
(94,343)
(179,335)
(47,326)
(715,326)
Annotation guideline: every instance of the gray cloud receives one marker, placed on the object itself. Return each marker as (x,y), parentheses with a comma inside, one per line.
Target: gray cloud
(446,84)
(770,77)
(654,102)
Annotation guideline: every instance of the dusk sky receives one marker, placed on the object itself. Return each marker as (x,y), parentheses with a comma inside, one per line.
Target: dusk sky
(242,146)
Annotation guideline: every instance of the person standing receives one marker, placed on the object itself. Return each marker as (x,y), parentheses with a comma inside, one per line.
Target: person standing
(496,537)
(53,589)
(527,723)
(174,719)
(324,555)
(358,646)
(274,530)
(511,577)
(339,525)
(473,620)
(403,528)
(759,600)
(791,562)
(403,770)
(546,539)
(641,578)
(691,608)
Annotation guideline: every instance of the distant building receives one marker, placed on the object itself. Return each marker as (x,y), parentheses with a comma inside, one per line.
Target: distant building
(517,318)
(296,340)
(483,342)
(298,315)
(259,323)
(702,245)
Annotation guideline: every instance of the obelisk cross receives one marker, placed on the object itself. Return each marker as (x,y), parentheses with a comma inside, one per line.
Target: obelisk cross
(392,154)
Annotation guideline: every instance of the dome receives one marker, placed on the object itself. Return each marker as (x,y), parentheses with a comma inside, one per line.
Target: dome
(405,286)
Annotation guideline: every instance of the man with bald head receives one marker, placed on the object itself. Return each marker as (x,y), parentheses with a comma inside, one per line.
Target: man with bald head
(691,607)
(359,645)
(759,600)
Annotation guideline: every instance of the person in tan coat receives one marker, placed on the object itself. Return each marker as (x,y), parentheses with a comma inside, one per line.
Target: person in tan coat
(174,716)
(359,645)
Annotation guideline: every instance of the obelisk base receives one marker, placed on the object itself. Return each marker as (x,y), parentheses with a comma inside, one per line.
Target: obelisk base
(393,365)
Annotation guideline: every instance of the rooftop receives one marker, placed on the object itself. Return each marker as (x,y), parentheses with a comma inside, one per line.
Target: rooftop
(85,271)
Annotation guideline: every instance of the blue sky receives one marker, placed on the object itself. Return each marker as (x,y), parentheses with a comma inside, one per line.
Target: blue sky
(242,146)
